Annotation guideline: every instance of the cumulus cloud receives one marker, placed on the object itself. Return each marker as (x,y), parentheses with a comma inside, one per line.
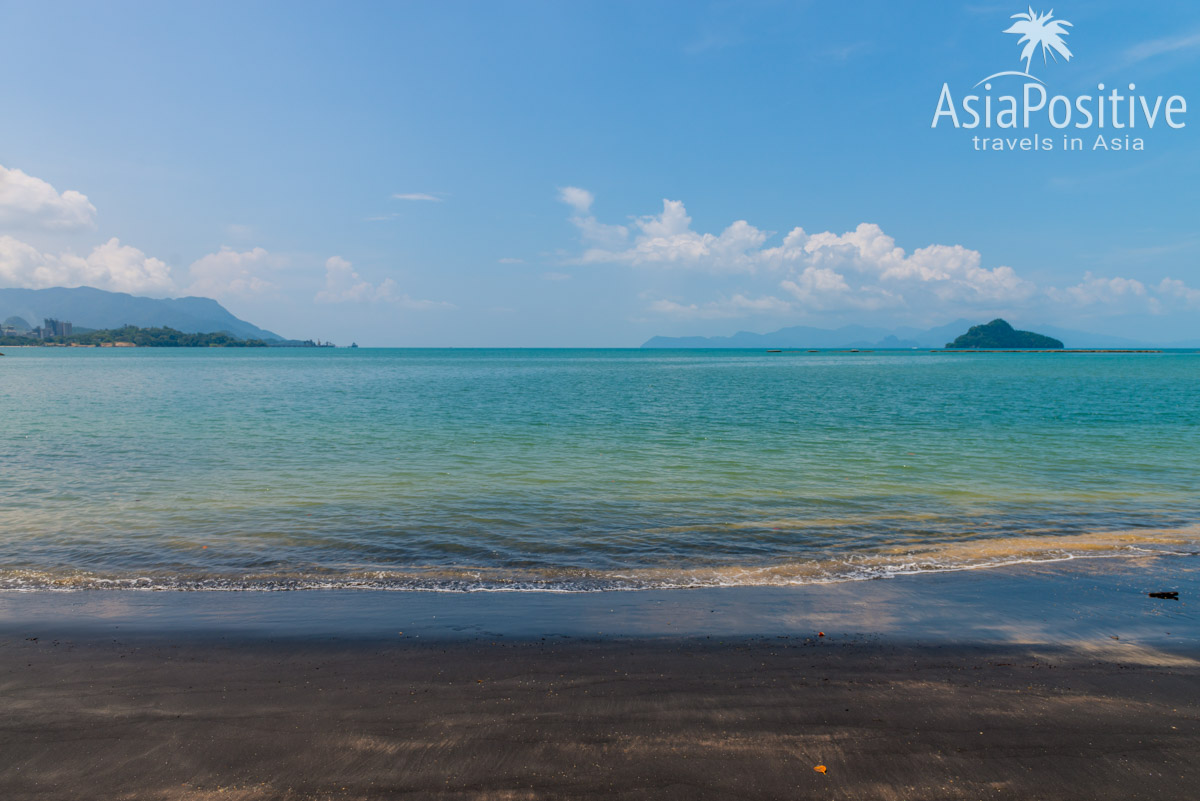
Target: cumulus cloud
(667,240)
(111,266)
(861,269)
(230,273)
(343,284)
(872,267)
(26,201)
(29,202)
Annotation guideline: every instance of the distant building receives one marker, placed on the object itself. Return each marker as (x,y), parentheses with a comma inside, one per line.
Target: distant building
(60,328)
(53,328)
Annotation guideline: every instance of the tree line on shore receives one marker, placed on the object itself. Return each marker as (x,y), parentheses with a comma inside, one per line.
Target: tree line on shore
(141,337)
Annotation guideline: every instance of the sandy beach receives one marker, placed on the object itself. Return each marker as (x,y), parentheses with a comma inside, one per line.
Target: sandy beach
(615,719)
(289,708)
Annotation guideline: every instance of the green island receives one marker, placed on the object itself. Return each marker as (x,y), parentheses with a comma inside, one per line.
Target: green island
(999,334)
(132,336)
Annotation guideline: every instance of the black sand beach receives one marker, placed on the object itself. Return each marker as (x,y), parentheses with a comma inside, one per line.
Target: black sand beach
(1097,697)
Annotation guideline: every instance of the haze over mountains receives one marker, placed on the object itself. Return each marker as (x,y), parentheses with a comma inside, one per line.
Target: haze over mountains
(86,307)
(860,336)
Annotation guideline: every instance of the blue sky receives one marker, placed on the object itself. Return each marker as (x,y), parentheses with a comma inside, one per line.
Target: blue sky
(466,174)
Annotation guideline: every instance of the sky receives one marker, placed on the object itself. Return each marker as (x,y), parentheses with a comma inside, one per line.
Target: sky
(595,173)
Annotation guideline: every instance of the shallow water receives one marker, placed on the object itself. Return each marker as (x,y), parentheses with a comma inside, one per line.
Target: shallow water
(582,469)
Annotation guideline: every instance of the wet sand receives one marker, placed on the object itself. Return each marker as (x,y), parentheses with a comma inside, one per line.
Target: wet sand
(612,719)
(1055,707)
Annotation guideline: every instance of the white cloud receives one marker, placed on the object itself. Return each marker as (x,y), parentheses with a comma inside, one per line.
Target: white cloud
(883,274)
(32,202)
(343,284)
(1107,291)
(668,240)
(579,199)
(1117,295)
(230,273)
(1173,288)
(111,266)
(595,231)
(824,289)
(122,268)
(417,196)
(29,202)
(861,269)
(591,229)
(510,261)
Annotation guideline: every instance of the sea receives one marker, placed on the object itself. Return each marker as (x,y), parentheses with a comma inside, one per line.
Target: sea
(582,470)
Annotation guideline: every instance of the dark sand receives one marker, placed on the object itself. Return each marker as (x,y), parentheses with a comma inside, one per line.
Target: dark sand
(194,713)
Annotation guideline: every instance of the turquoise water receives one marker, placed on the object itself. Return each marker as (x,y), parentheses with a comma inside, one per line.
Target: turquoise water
(582,469)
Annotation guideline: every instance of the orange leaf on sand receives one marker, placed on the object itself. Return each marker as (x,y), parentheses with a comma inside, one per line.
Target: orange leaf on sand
(820,768)
(820,634)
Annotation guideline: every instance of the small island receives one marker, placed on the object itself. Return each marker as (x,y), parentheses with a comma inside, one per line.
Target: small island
(999,334)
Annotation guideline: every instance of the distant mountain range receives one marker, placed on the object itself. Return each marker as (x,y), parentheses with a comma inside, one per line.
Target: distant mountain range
(86,307)
(859,336)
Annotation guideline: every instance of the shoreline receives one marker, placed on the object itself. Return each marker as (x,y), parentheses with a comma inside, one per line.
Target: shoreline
(945,557)
(1029,602)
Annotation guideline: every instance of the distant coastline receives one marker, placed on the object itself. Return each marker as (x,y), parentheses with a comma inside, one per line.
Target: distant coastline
(88,307)
(160,337)
(900,338)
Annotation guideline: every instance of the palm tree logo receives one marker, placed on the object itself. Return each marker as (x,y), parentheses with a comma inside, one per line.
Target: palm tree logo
(1037,30)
